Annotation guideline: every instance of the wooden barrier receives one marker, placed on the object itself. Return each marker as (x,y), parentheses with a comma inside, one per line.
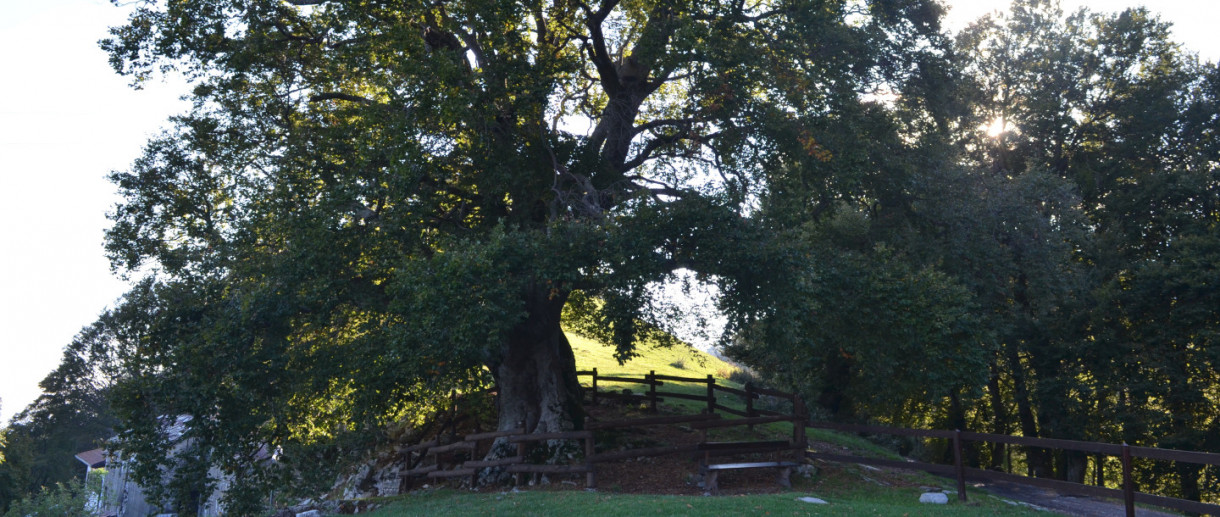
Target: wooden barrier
(799,417)
(517,465)
(1128,492)
(585,468)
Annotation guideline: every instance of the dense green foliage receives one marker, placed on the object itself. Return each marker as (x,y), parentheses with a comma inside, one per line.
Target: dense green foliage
(1046,269)
(1113,336)
(371,204)
(61,500)
(1079,208)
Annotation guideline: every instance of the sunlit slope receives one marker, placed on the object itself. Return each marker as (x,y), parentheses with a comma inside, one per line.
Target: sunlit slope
(679,361)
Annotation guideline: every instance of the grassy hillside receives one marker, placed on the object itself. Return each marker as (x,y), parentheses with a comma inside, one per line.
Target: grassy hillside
(681,361)
(691,362)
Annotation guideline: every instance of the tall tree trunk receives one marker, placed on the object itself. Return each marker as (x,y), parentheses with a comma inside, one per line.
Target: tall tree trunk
(1188,477)
(1038,461)
(536,374)
(957,420)
(999,415)
(835,393)
(1074,466)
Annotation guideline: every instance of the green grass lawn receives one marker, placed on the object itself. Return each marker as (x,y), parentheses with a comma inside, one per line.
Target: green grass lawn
(897,502)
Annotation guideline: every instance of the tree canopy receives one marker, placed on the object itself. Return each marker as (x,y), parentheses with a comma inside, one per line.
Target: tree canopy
(373,203)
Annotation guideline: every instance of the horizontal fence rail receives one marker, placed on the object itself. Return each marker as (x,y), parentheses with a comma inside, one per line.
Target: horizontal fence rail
(703,422)
(749,394)
(1122,451)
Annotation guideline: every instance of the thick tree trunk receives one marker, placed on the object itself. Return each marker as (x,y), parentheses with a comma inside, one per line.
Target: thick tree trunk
(1188,476)
(536,374)
(1073,466)
(999,416)
(957,420)
(1039,463)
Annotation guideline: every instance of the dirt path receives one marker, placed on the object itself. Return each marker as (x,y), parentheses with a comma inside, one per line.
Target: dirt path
(1063,504)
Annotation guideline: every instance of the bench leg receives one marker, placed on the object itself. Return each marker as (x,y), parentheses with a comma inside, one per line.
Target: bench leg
(785,477)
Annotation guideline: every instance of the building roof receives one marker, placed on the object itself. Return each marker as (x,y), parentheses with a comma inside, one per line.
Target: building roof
(95,458)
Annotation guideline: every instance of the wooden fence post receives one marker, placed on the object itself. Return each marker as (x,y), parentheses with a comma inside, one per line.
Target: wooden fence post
(590,478)
(711,394)
(750,402)
(652,390)
(800,438)
(1128,484)
(595,386)
(520,452)
(750,399)
(453,415)
(958,468)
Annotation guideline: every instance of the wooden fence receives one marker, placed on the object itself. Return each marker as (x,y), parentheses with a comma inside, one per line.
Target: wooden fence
(749,395)
(752,415)
(1125,453)
(435,460)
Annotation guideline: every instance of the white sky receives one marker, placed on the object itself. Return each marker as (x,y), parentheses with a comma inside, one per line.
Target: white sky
(66,120)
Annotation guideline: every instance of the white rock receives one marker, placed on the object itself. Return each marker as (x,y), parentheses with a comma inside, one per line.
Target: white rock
(311,513)
(813,500)
(934,498)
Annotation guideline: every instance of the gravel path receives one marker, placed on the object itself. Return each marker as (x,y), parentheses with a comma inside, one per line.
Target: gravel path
(1062,504)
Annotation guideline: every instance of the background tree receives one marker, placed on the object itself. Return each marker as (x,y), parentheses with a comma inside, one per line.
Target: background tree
(72,415)
(1111,104)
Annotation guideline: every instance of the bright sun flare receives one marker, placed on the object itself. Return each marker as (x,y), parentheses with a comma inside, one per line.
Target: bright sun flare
(996,127)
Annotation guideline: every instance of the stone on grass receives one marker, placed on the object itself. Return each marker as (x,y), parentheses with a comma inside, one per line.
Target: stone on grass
(934,498)
(813,500)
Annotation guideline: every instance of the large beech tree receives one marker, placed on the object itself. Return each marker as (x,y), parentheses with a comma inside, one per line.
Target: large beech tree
(373,202)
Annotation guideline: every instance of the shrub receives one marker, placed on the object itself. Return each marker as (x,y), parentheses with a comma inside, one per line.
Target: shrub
(743,376)
(62,500)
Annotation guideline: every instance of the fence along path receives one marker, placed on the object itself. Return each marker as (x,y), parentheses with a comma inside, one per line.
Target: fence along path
(1127,493)
(752,415)
(433,460)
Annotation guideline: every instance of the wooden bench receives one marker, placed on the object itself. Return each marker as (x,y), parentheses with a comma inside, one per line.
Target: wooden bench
(711,472)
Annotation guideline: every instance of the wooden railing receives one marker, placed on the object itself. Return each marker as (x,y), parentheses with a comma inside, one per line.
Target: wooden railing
(432,459)
(958,470)
(752,416)
(748,394)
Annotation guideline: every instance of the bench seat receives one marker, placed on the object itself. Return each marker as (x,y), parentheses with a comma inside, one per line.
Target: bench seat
(711,472)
